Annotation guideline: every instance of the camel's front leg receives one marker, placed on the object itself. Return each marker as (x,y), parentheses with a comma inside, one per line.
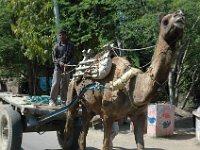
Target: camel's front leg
(107,122)
(68,131)
(86,117)
(139,125)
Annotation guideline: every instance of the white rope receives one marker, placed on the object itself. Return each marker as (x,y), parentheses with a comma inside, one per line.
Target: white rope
(145,65)
(128,65)
(137,49)
(114,52)
(71,65)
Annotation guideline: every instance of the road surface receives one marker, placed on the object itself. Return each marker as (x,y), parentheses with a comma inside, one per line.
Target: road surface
(183,139)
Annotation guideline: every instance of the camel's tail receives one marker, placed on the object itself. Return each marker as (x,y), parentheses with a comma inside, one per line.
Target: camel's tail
(121,82)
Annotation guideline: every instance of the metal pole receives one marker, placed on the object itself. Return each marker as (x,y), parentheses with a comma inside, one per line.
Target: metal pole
(120,41)
(57,16)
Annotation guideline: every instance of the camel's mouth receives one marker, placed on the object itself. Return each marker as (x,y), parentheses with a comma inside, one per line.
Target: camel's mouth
(179,20)
(179,23)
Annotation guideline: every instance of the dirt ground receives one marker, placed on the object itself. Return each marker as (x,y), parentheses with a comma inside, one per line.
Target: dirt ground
(182,139)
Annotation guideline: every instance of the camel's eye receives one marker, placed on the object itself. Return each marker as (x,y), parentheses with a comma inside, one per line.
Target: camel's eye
(165,22)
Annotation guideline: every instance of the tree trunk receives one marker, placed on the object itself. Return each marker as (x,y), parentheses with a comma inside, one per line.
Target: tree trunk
(176,74)
(195,78)
(30,78)
(35,75)
(171,87)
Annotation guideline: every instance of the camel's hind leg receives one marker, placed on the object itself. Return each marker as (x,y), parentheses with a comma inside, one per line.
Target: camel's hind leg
(107,122)
(86,117)
(139,126)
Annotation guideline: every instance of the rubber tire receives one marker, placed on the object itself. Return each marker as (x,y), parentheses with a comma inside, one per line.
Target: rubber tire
(73,141)
(12,121)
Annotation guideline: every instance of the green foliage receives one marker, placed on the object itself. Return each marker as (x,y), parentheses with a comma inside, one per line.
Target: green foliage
(192,37)
(11,55)
(33,26)
(91,24)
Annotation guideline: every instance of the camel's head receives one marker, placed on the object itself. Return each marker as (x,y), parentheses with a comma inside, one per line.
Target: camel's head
(171,26)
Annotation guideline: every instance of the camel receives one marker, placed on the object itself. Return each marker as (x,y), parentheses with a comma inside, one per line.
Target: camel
(130,100)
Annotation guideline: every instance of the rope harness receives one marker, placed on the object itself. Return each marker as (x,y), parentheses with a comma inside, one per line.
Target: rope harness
(121,49)
(131,50)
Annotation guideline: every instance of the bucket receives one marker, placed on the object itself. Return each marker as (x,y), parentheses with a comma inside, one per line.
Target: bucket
(196,113)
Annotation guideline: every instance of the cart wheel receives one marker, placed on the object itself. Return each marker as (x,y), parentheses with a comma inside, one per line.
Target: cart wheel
(10,129)
(73,141)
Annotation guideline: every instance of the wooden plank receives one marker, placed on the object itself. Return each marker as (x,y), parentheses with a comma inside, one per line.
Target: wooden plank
(16,100)
(20,101)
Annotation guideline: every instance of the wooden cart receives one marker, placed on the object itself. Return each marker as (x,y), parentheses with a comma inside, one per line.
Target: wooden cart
(18,116)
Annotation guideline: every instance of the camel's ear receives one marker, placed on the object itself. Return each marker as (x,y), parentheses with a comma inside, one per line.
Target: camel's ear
(160,17)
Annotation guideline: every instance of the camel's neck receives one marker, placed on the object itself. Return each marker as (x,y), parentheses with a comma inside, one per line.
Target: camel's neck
(161,61)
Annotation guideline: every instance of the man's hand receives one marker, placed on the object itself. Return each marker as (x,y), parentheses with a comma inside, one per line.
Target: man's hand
(65,67)
(61,64)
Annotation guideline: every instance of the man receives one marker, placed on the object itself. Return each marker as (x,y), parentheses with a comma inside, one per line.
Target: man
(63,55)
(115,131)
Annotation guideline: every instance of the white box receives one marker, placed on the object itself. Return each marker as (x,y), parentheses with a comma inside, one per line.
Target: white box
(160,119)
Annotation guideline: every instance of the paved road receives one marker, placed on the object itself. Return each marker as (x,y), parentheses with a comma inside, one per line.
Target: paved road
(34,141)
(181,140)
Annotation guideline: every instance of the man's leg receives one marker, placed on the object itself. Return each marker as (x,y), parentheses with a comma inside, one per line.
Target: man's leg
(55,85)
(115,131)
(64,87)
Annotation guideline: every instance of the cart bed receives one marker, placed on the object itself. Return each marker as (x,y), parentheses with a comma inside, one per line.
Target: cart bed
(20,103)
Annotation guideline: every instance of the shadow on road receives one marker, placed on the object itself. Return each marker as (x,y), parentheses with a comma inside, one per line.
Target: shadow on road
(52,149)
(120,148)
(182,136)
(91,148)
(184,122)
(154,149)
(115,148)
(184,129)
(44,149)
(124,128)
(88,148)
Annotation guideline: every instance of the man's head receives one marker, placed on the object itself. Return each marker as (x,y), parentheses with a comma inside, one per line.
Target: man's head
(63,36)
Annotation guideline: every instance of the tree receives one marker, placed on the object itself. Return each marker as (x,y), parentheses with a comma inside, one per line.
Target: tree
(11,54)
(34,27)
(185,74)
(91,24)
